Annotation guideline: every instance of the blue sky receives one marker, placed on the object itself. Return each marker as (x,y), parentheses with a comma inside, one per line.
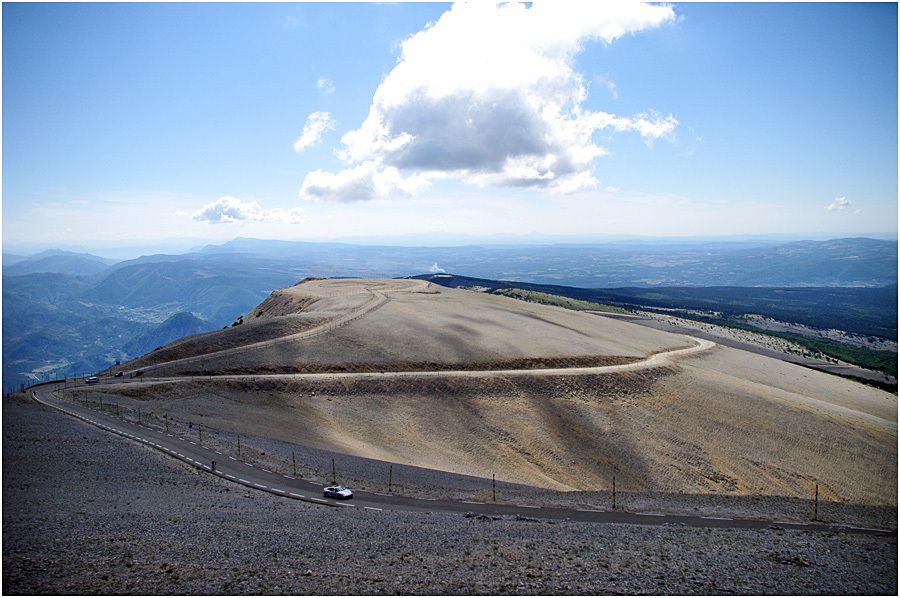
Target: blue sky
(148,123)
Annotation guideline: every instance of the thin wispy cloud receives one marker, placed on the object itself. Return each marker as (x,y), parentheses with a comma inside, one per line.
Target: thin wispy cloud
(490,95)
(325,85)
(839,203)
(651,126)
(609,84)
(316,125)
(232,210)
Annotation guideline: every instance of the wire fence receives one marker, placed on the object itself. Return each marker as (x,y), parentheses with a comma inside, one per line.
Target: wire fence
(227,442)
(267,454)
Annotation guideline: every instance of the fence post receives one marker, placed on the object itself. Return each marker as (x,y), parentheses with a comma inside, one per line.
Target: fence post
(816,505)
(294,463)
(390,476)
(333,473)
(200,431)
(166,417)
(239,445)
(494,486)
(614,493)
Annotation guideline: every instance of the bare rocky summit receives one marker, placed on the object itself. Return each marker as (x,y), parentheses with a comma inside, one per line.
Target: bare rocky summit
(412,373)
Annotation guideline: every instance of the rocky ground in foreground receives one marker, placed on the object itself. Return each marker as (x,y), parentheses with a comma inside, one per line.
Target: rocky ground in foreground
(86,512)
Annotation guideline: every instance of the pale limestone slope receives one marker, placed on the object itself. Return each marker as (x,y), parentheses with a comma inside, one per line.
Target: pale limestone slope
(720,420)
(396,323)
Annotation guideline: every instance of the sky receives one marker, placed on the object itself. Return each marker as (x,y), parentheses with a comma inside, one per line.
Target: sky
(160,124)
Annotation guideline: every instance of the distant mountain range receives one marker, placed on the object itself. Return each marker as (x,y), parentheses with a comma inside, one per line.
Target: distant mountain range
(68,312)
(836,262)
(60,262)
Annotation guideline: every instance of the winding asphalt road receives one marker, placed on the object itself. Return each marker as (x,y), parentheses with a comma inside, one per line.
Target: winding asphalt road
(228,467)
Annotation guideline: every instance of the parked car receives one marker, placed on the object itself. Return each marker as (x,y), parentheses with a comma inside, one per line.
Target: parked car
(117,375)
(338,492)
(92,380)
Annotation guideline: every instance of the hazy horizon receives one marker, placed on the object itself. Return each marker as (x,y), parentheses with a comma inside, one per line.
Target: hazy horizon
(114,250)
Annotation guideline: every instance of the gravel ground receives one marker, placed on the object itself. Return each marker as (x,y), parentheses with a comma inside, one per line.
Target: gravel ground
(90,513)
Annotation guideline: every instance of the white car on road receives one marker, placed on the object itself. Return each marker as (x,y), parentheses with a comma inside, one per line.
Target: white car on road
(338,492)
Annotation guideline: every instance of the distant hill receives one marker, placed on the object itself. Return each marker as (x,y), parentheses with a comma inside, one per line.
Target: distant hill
(272,247)
(11,258)
(218,287)
(59,262)
(48,329)
(180,325)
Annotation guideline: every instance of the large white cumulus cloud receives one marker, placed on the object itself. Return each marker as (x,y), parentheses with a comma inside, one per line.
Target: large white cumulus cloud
(489,94)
